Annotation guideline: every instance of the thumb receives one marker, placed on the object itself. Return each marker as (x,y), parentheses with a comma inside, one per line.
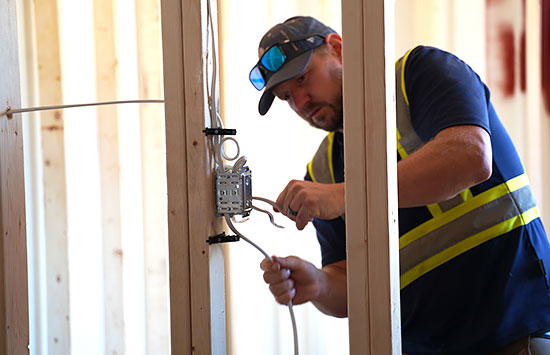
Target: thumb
(289,262)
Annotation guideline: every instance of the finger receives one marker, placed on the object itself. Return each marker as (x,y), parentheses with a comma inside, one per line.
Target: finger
(286,297)
(280,288)
(303,215)
(266,264)
(286,197)
(271,277)
(302,220)
(291,212)
(281,198)
(298,205)
(291,263)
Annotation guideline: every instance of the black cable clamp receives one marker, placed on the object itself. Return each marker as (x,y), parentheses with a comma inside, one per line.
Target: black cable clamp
(222,238)
(220,131)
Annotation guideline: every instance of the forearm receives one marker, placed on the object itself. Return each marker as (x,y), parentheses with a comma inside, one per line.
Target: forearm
(332,299)
(458,158)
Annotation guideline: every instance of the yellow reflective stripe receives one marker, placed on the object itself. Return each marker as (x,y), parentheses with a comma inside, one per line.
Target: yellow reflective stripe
(466,195)
(454,213)
(330,143)
(310,171)
(517,183)
(403,76)
(402,152)
(467,244)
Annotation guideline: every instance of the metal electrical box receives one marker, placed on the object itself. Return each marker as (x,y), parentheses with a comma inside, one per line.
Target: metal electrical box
(234,192)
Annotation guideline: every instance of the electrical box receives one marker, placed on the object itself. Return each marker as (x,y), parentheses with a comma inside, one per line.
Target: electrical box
(234,192)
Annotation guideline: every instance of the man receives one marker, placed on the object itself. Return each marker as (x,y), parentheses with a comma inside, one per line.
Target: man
(474,255)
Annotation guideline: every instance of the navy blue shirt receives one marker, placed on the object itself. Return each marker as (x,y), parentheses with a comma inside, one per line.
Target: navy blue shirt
(493,294)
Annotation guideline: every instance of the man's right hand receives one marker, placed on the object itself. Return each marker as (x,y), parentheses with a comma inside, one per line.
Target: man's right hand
(299,281)
(291,279)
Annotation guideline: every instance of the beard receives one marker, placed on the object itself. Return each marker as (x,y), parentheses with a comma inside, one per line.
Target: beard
(333,120)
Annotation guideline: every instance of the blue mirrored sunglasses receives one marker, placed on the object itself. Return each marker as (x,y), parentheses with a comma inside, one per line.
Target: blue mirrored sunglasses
(277,55)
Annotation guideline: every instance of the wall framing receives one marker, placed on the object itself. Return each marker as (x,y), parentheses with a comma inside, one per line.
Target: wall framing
(371,183)
(48,48)
(371,177)
(14,309)
(196,270)
(197,296)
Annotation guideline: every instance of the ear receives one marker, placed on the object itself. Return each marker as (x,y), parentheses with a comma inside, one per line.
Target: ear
(334,41)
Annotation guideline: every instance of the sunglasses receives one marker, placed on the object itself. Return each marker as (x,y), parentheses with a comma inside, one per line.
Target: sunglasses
(278,54)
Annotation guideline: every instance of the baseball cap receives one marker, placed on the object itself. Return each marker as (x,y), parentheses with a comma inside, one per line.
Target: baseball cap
(295,39)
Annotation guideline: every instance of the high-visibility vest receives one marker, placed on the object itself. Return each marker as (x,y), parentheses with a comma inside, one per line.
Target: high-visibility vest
(456,225)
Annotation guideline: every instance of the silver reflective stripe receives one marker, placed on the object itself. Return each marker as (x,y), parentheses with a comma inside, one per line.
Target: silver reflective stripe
(492,213)
(409,140)
(319,166)
(451,203)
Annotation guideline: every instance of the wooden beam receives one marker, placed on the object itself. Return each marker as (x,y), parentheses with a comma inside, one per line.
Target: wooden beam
(197,297)
(55,196)
(14,311)
(107,77)
(371,179)
(153,163)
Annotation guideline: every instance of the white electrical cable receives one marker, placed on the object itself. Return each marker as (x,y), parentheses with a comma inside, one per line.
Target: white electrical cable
(263,199)
(11,111)
(269,214)
(289,304)
(216,121)
(239,164)
(222,148)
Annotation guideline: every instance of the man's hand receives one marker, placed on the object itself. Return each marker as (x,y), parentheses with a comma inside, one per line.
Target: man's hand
(299,281)
(291,279)
(311,199)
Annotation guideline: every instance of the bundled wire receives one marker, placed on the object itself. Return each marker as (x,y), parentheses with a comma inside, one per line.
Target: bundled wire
(289,304)
(220,155)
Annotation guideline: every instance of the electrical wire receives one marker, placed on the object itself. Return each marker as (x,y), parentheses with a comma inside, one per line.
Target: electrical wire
(239,164)
(11,111)
(268,201)
(289,304)
(222,149)
(216,120)
(263,199)
(269,214)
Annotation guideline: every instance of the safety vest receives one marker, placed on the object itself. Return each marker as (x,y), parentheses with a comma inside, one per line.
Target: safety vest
(456,225)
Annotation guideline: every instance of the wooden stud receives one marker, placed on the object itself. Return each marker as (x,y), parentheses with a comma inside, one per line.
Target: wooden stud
(14,312)
(107,73)
(153,162)
(197,297)
(55,198)
(371,178)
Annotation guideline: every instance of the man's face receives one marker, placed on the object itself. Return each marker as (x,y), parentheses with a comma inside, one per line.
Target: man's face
(316,95)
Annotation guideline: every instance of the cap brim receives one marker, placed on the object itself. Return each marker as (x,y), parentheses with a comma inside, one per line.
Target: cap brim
(289,71)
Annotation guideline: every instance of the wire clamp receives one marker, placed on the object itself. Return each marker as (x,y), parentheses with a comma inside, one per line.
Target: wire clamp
(222,238)
(220,131)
